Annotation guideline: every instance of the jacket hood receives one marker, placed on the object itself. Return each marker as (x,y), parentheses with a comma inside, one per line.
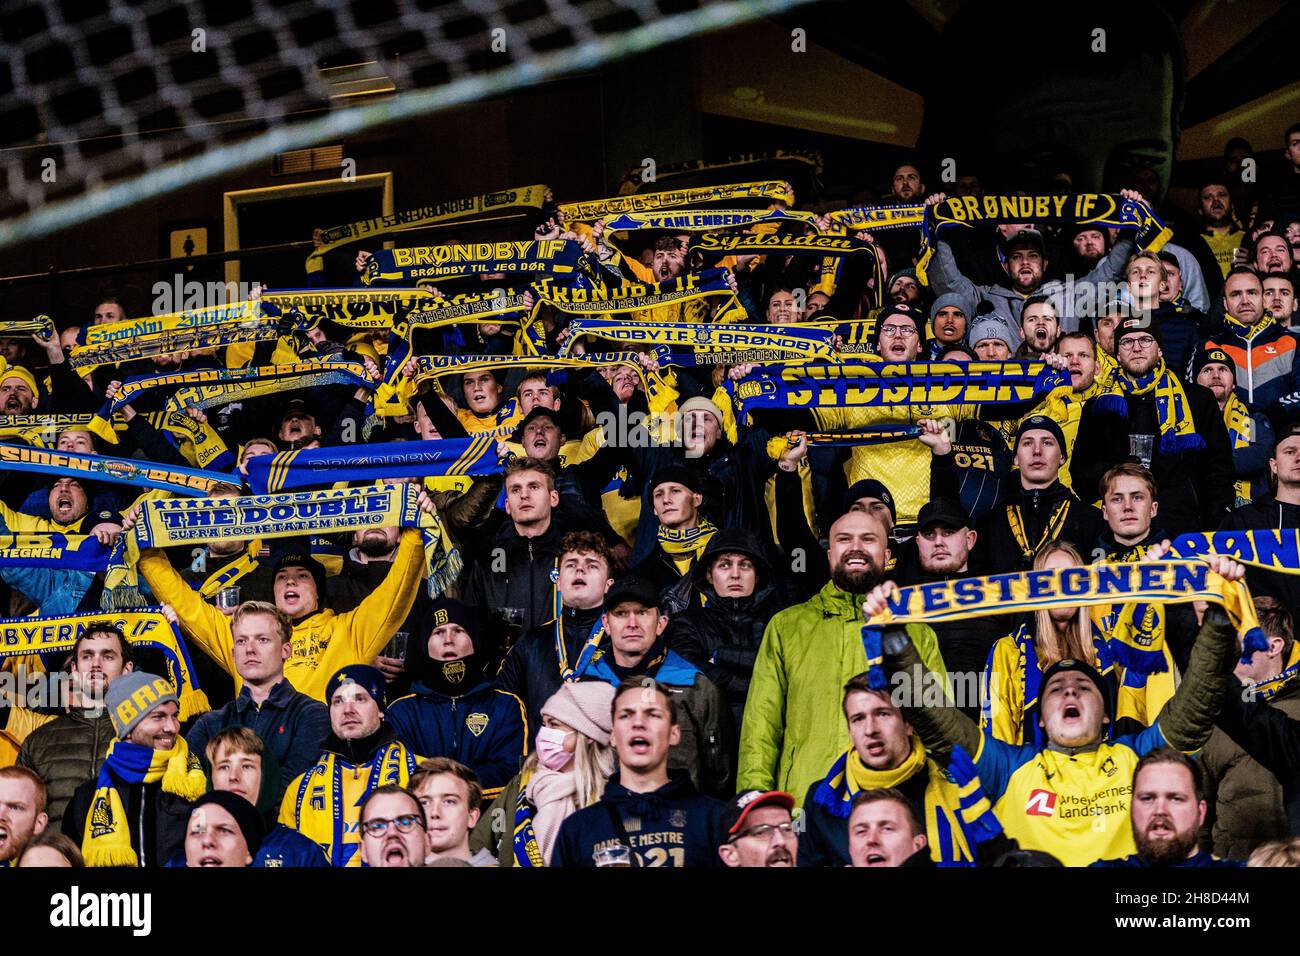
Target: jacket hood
(678,787)
(733,541)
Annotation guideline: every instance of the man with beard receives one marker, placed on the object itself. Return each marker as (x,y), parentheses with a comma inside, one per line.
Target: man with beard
(1263,351)
(757,830)
(19,394)
(1064,797)
(992,340)
(134,812)
(1024,260)
(1039,325)
(69,749)
(637,648)
(1038,507)
(393,828)
(793,728)
(1220,230)
(907,188)
(1172,427)
(456,708)
(22,812)
(1089,243)
(1251,435)
(542,660)
(1167,811)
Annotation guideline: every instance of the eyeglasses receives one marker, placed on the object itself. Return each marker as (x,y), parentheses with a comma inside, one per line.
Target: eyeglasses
(405,823)
(1136,342)
(764,831)
(898,331)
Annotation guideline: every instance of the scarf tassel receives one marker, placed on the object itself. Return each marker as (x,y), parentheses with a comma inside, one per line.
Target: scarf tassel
(1111,404)
(1172,443)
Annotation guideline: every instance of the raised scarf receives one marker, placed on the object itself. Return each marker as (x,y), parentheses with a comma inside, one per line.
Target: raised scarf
(313,467)
(107,837)
(943,798)
(1173,413)
(725,338)
(202,388)
(350,308)
(318,808)
(41,325)
(827,246)
(139,473)
(869,385)
(1046,588)
(1241,431)
(145,627)
(517,199)
(1099,209)
(533,257)
(592,210)
(634,297)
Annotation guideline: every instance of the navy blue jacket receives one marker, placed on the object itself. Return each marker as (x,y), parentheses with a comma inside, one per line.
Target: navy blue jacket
(292,725)
(672,826)
(1202,859)
(485,729)
(285,846)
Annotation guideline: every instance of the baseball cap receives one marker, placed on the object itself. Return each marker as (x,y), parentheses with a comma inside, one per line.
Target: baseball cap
(736,811)
(634,589)
(539,411)
(944,513)
(1025,237)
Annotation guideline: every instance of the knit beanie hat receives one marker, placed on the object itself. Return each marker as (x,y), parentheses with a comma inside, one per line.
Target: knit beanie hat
(18,372)
(586,707)
(246,817)
(132,695)
(363,675)
(699,403)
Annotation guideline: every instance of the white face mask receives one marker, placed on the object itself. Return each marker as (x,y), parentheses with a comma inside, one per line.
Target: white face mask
(550,748)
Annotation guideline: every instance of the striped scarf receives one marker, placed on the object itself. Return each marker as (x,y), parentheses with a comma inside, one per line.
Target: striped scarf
(318,810)
(107,837)
(1241,430)
(944,826)
(1174,415)
(687,540)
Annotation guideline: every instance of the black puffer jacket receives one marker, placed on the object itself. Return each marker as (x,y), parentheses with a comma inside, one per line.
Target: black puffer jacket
(65,753)
(721,635)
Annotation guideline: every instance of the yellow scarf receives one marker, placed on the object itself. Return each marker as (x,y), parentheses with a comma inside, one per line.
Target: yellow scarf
(107,837)
(1241,429)
(942,798)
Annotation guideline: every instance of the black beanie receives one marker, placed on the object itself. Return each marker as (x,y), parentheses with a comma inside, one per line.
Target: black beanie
(247,818)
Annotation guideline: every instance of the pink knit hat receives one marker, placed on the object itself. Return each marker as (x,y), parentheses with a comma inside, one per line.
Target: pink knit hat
(585,706)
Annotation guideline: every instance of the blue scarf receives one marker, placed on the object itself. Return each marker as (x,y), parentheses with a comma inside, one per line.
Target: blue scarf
(193,482)
(312,467)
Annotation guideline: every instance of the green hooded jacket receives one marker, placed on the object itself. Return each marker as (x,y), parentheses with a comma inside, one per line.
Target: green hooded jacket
(794,726)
